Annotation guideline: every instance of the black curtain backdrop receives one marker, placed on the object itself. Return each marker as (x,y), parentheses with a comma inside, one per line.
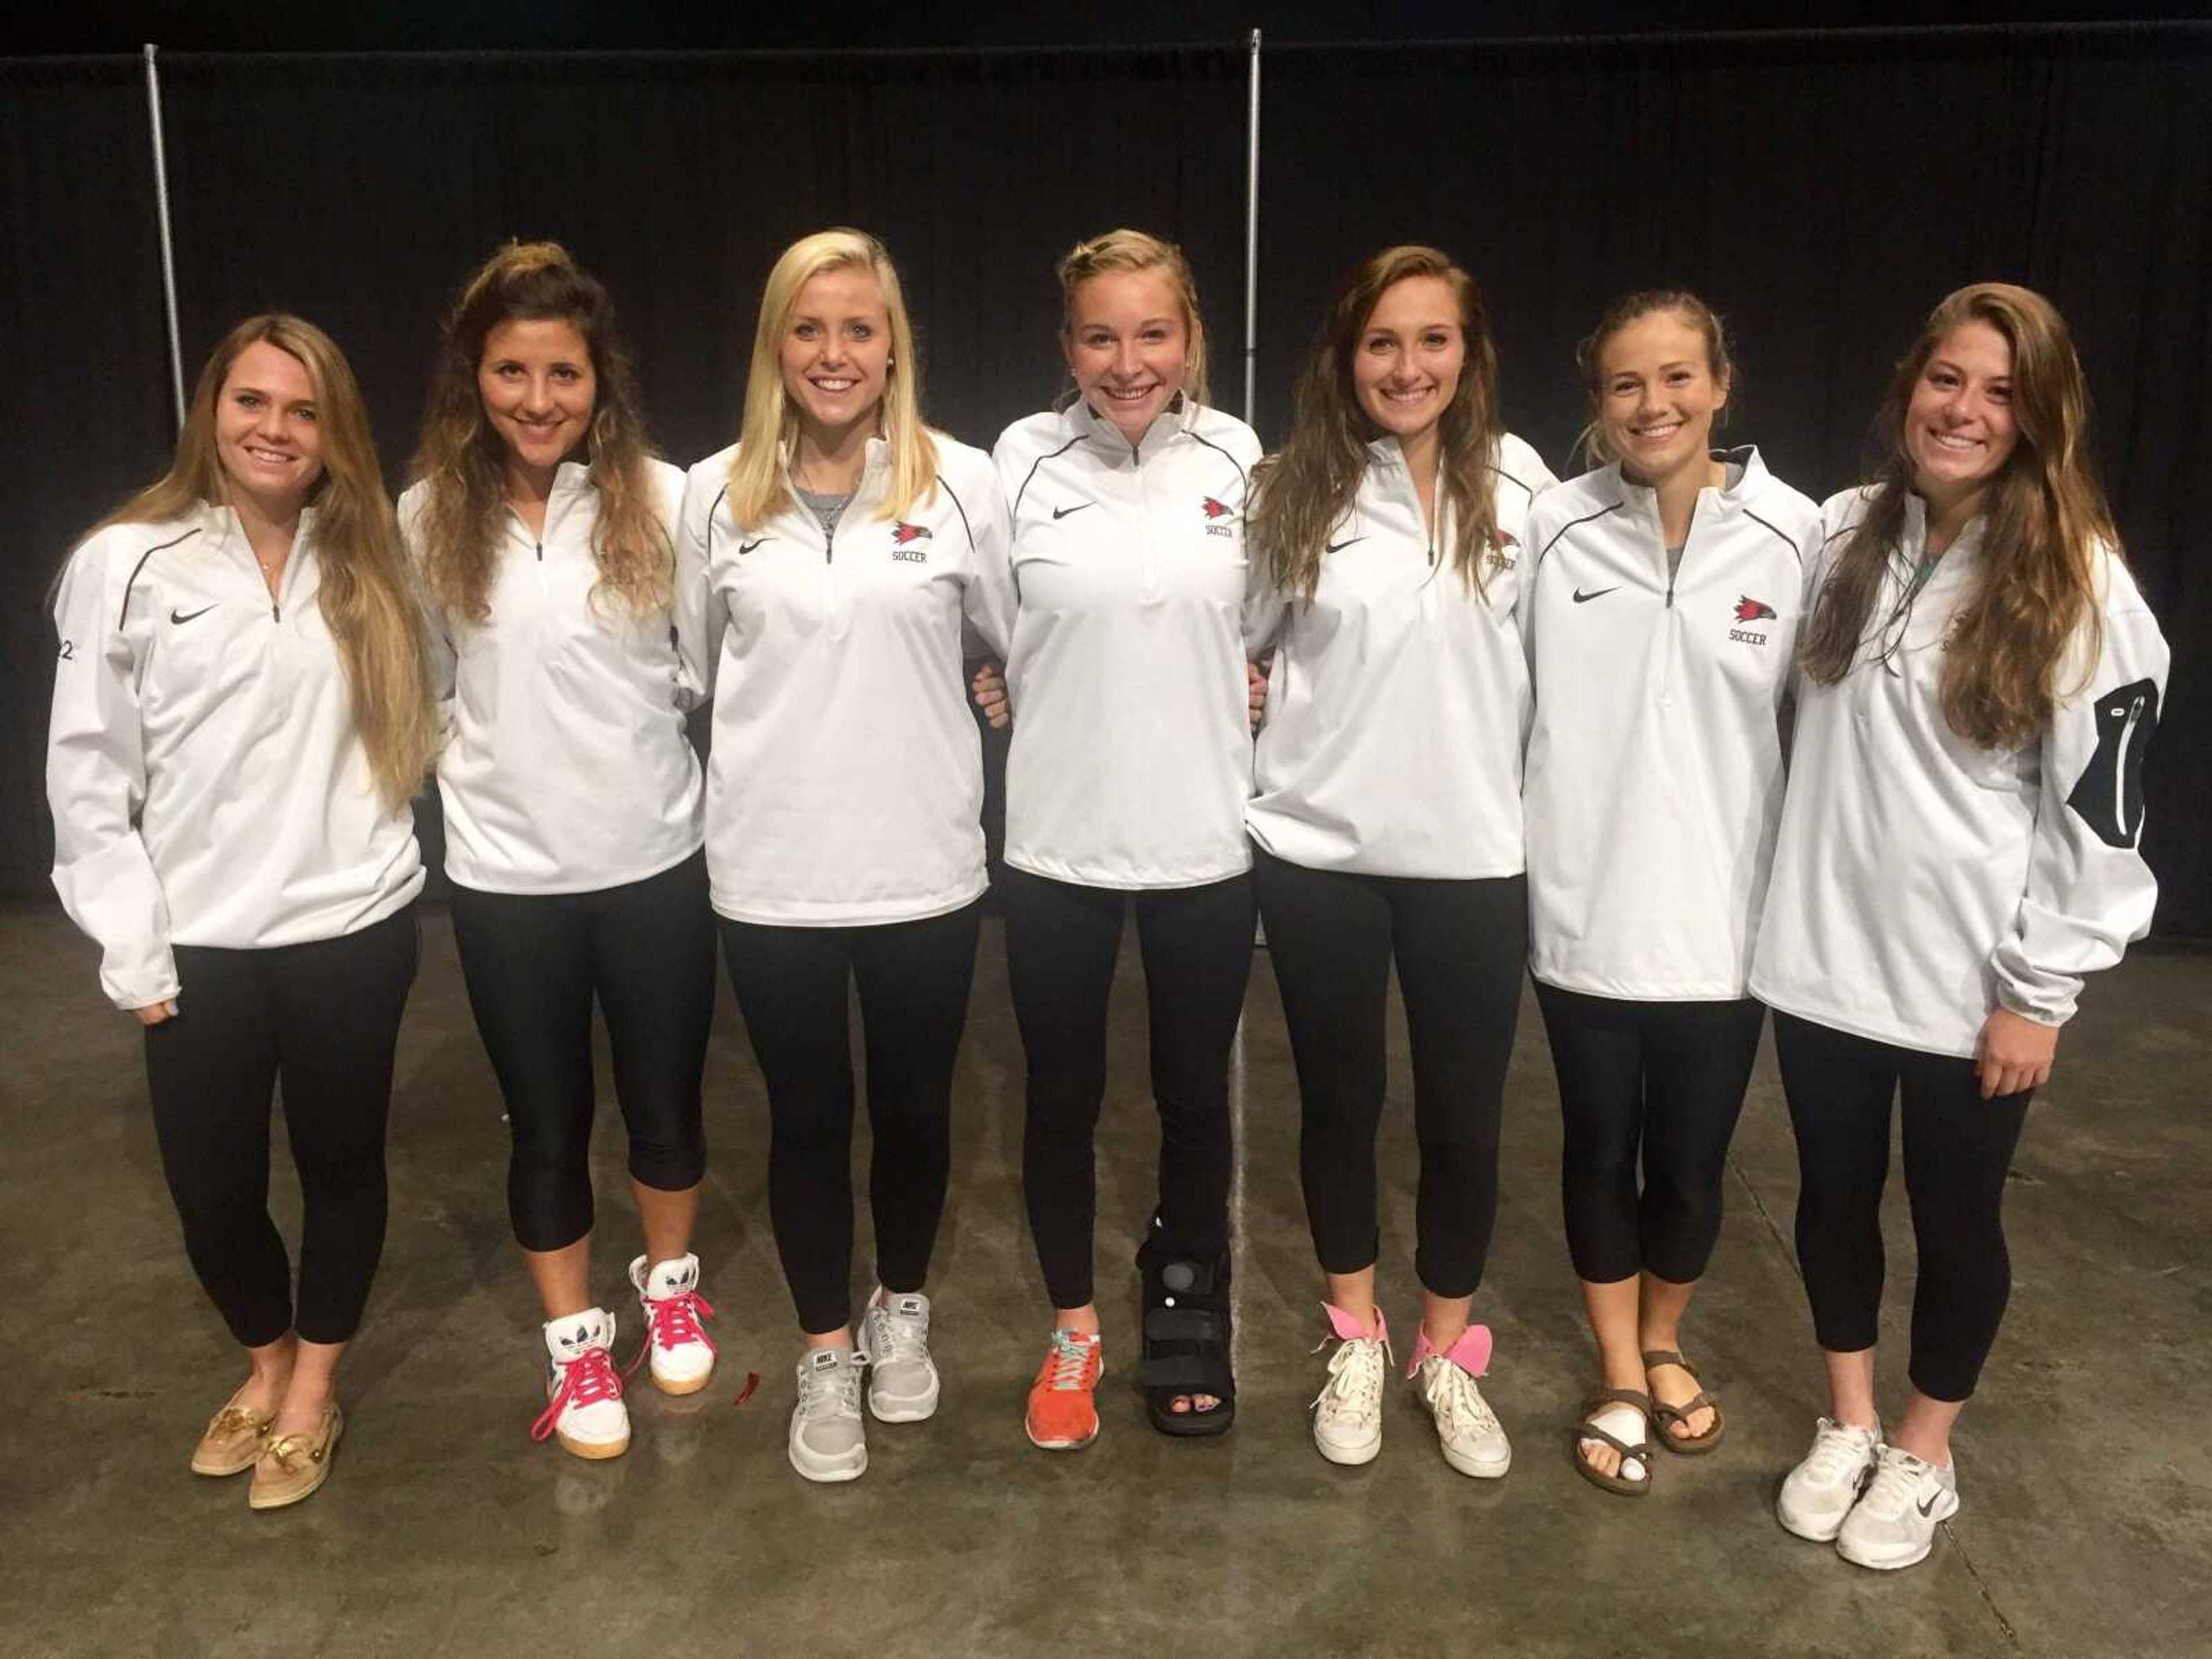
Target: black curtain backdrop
(1822,190)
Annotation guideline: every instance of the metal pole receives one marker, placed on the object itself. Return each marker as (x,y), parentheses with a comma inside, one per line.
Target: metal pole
(168,250)
(1252,232)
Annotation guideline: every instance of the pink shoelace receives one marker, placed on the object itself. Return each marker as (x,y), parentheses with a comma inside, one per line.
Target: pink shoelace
(673,1319)
(584,1381)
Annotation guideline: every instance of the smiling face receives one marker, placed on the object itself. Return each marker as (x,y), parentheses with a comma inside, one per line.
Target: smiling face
(1405,363)
(1128,345)
(266,433)
(1658,395)
(539,389)
(835,356)
(1959,427)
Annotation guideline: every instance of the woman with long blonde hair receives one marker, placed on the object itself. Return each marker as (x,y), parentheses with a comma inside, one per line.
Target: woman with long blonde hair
(829,560)
(543,528)
(241,714)
(1958,850)
(1125,787)
(1388,572)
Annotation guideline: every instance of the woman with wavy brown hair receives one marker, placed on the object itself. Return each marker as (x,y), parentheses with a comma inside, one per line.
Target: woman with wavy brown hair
(542,526)
(1388,574)
(1958,849)
(241,713)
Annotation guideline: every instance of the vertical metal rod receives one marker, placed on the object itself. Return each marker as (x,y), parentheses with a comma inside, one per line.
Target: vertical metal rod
(1252,233)
(168,250)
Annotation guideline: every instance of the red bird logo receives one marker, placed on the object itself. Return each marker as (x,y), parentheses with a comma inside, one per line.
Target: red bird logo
(1749,609)
(1214,509)
(902,532)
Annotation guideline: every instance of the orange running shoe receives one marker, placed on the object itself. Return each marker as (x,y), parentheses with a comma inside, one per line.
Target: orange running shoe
(1063,1412)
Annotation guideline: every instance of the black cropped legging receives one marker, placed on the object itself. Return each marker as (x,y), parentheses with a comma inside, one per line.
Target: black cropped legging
(1658,1083)
(533,963)
(793,985)
(1958,1148)
(1459,947)
(321,1020)
(1061,943)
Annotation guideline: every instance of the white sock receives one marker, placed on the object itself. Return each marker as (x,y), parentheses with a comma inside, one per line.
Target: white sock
(1624,1424)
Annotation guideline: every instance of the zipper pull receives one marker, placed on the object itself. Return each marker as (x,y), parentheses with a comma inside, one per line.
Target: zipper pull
(541,551)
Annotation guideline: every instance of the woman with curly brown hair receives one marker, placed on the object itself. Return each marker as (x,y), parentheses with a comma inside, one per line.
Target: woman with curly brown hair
(1388,572)
(542,526)
(241,713)
(1958,849)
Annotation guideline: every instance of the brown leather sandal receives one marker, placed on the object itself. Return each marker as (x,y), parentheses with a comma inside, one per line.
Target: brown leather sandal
(1662,1414)
(1620,1485)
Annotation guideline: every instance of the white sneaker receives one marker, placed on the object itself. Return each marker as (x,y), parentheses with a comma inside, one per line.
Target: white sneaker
(1347,1413)
(1894,1524)
(1473,1439)
(668,1296)
(584,1408)
(829,1442)
(894,1345)
(1819,1491)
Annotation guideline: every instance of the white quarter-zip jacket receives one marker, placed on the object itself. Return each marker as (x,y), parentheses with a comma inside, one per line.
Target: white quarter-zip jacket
(565,768)
(208,782)
(1397,702)
(1921,881)
(1655,764)
(1132,751)
(845,784)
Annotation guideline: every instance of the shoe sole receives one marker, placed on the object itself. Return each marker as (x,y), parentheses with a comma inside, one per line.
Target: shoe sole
(1349,1457)
(829,1476)
(1811,1537)
(1946,1511)
(904,1411)
(1063,1445)
(224,1471)
(1479,1469)
(592,1450)
(680,1385)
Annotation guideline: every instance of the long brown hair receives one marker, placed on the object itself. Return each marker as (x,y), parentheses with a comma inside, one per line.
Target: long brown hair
(463,459)
(1310,487)
(2045,515)
(366,599)
(1634,307)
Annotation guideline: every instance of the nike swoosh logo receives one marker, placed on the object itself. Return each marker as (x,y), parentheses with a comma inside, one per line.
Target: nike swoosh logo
(1062,512)
(176,615)
(1335,547)
(1582,597)
(746,547)
(1930,1503)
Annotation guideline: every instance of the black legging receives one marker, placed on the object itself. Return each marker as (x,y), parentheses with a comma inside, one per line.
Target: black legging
(1958,1147)
(792,985)
(1661,1079)
(1459,947)
(322,1020)
(1061,943)
(533,962)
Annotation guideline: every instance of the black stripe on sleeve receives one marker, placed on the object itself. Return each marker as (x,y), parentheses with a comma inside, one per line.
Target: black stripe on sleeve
(123,612)
(1566,527)
(1032,473)
(1792,545)
(1241,475)
(963,510)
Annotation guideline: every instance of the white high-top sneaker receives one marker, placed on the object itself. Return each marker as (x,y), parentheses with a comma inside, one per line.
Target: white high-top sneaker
(668,1296)
(829,1441)
(1347,1421)
(894,1341)
(584,1407)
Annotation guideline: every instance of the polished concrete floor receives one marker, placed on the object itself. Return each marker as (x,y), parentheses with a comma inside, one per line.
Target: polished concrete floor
(2086,1528)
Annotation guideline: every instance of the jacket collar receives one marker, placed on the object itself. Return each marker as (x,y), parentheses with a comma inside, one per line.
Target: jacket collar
(1746,476)
(1169,425)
